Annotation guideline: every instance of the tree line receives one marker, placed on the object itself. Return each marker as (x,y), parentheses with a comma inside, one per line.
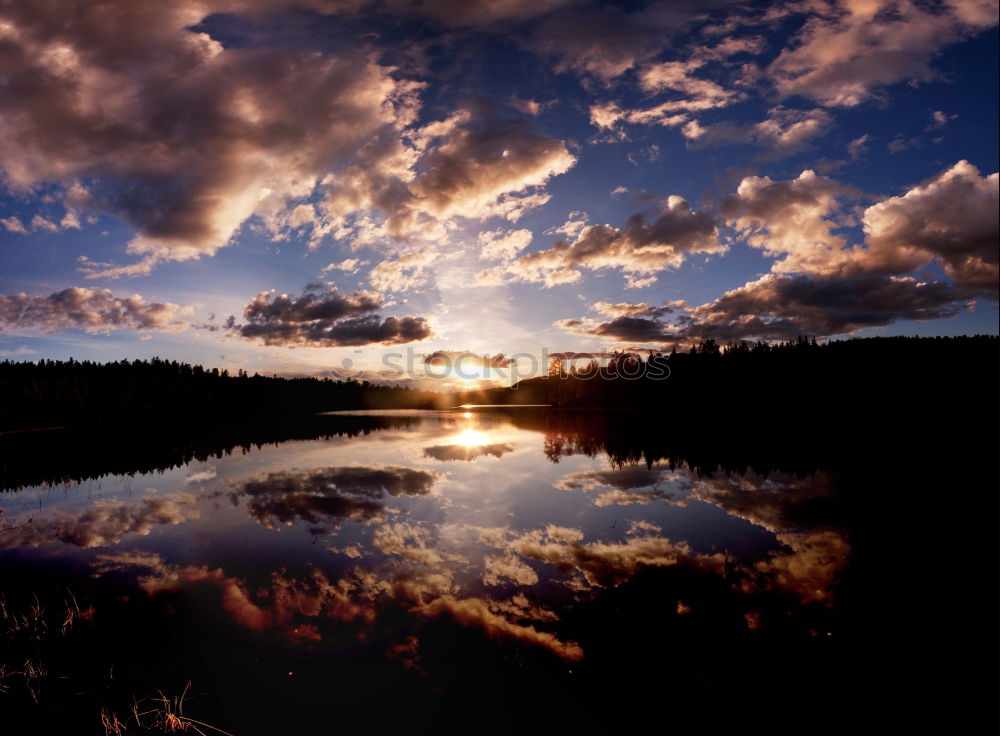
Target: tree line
(51,393)
(790,377)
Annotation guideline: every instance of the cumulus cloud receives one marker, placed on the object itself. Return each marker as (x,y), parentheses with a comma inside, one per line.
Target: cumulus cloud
(794,219)
(329,495)
(953,218)
(324,317)
(92,310)
(847,52)
(103,523)
(821,284)
(185,149)
(639,249)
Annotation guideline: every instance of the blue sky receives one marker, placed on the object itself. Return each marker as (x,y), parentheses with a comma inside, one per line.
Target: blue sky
(495,177)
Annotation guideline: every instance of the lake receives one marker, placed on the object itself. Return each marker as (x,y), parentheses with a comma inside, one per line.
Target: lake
(502,571)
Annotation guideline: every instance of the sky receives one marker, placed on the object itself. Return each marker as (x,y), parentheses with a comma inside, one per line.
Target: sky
(346,187)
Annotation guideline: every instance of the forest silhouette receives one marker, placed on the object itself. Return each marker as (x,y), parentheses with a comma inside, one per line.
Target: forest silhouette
(798,379)
(789,407)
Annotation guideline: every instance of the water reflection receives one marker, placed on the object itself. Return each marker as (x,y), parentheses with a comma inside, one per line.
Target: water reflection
(530,540)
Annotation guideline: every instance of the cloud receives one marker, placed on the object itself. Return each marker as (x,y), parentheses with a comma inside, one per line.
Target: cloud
(409,541)
(469,167)
(91,310)
(305,609)
(696,94)
(606,563)
(480,12)
(603,42)
(777,502)
(939,119)
(952,217)
(847,52)
(14,225)
(455,359)
(820,283)
(626,309)
(321,317)
(503,245)
(473,164)
(810,568)
(785,131)
(326,495)
(407,272)
(466,453)
(497,569)
(624,486)
(130,111)
(794,218)
(782,307)
(348,265)
(858,147)
(476,612)
(201,476)
(103,523)
(640,248)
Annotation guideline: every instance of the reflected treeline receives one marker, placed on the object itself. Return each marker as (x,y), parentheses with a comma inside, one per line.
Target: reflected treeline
(800,381)
(705,444)
(53,393)
(72,455)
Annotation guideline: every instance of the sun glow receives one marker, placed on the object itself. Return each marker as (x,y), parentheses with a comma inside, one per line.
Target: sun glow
(470,438)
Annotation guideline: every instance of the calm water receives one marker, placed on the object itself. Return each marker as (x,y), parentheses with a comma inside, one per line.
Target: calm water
(466,570)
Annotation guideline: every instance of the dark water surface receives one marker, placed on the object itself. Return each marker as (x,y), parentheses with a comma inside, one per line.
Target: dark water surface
(504,572)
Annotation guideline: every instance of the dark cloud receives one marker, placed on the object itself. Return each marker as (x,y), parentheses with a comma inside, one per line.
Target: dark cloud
(473,164)
(324,317)
(133,112)
(602,41)
(93,310)
(329,495)
(462,452)
(781,307)
(639,249)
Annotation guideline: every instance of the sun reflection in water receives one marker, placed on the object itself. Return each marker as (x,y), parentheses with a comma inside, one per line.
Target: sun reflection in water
(470,438)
